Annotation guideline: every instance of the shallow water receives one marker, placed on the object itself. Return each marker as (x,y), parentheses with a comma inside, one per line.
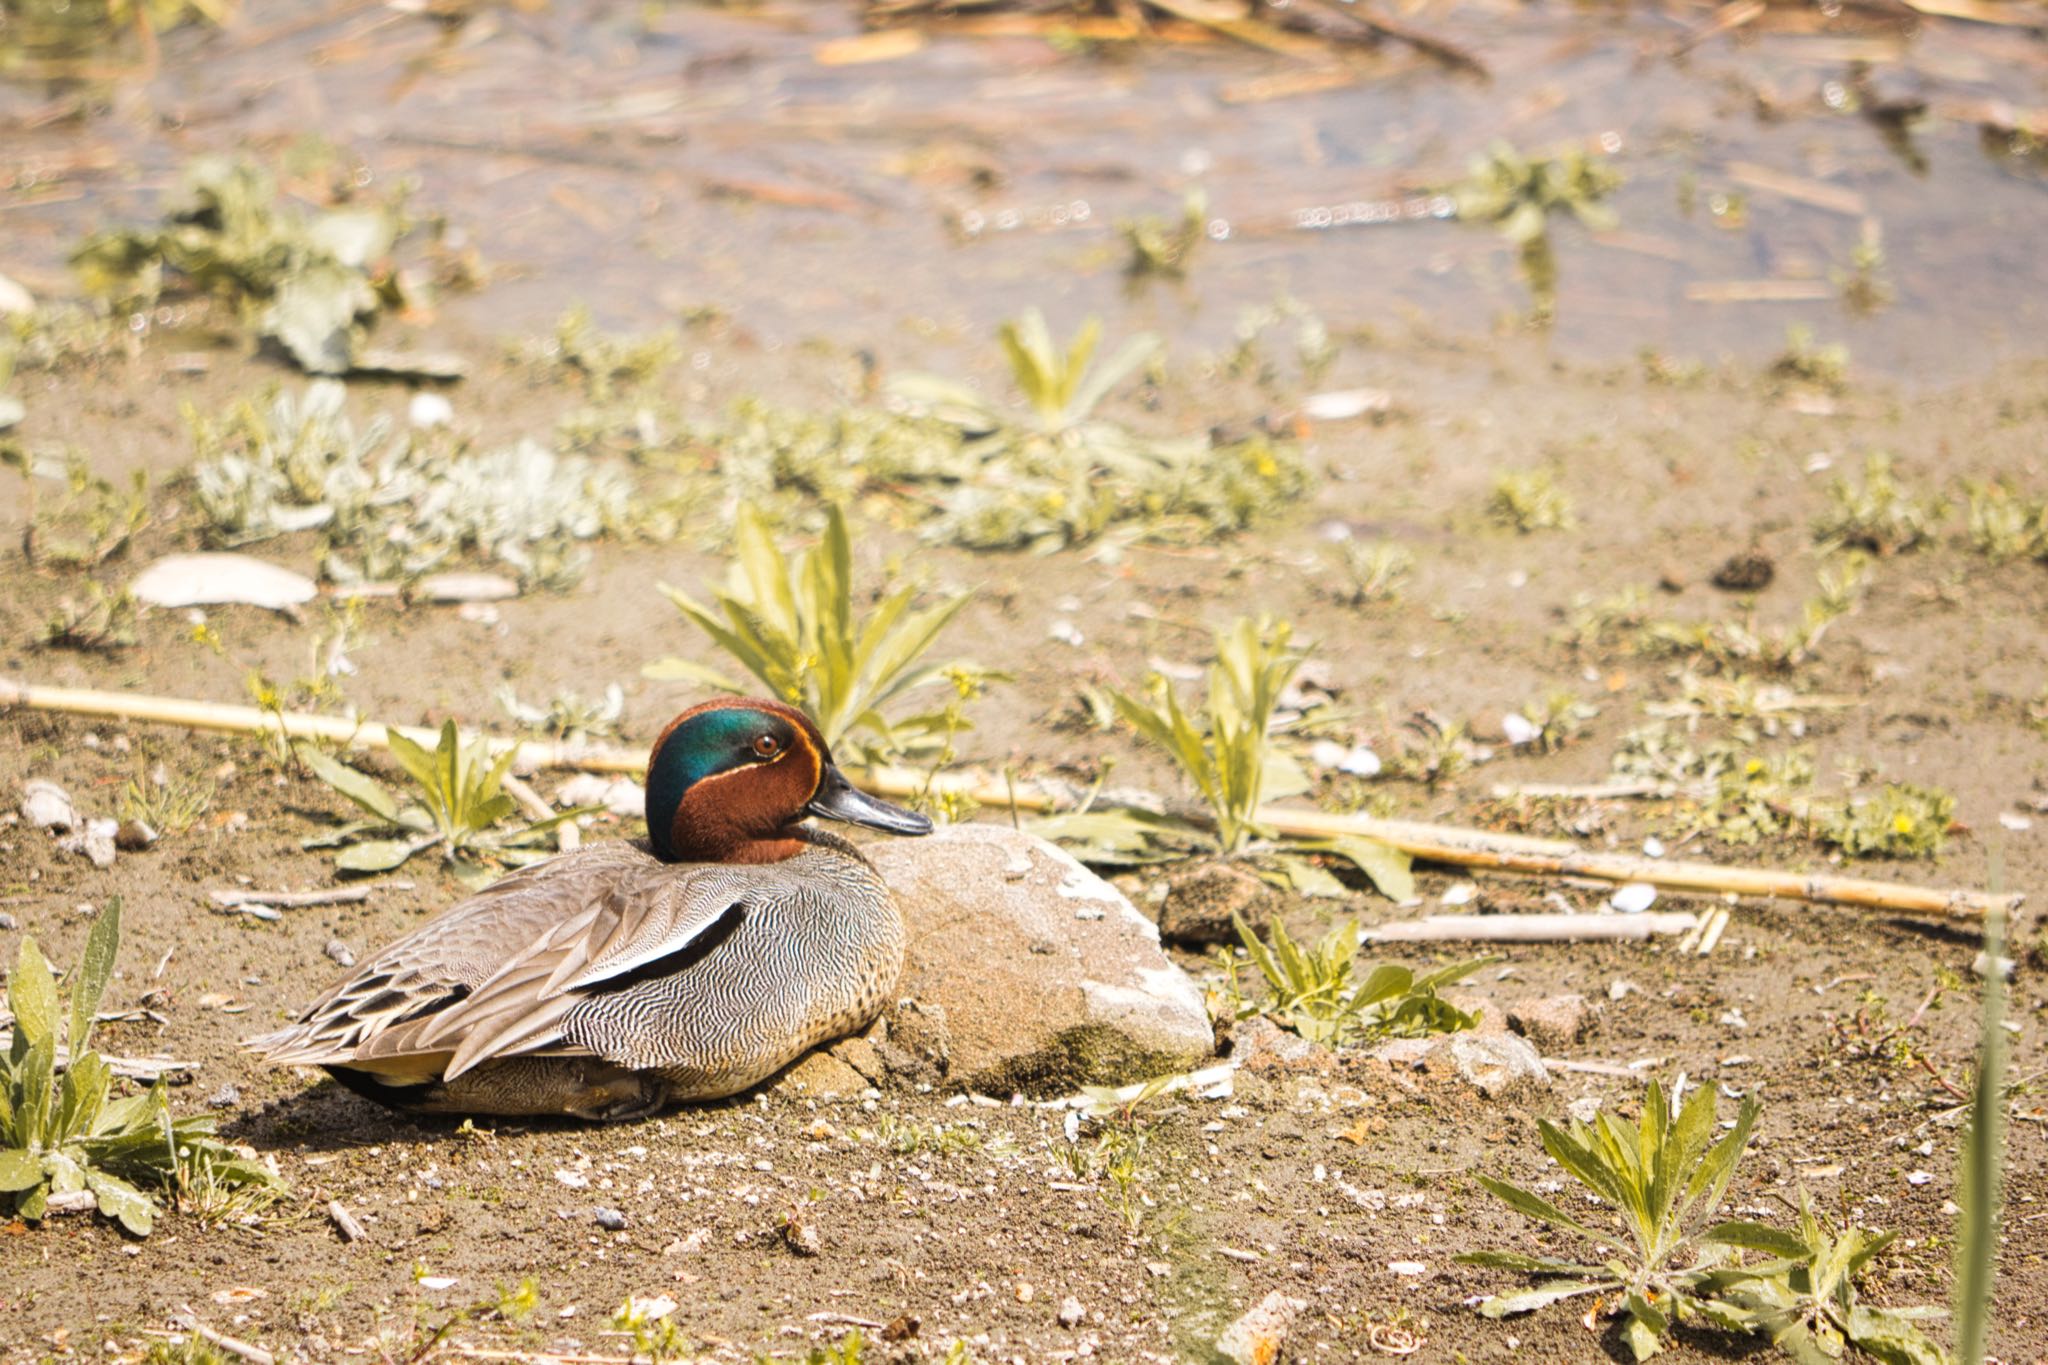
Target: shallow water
(648,161)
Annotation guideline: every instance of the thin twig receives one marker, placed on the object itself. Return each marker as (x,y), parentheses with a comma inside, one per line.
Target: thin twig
(256,1355)
(1452,844)
(289,899)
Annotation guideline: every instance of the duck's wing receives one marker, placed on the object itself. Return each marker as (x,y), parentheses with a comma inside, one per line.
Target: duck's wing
(448,958)
(652,924)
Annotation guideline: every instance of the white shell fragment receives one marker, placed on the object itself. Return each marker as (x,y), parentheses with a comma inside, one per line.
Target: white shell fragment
(429,410)
(1340,405)
(1358,760)
(465,587)
(1633,898)
(45,805)
(618,795)
(1519,729)
(201,580)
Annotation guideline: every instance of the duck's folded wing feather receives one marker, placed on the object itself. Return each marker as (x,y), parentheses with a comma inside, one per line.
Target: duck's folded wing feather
(633,928)
(446,959)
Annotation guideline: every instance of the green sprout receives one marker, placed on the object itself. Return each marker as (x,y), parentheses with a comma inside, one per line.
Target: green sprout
(1521,194)
(1529,500)
(67,1144)
(457,805)
(1879,515)
(794,627)
(1321,994)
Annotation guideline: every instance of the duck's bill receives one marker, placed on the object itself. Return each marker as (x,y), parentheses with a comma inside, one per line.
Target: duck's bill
(838,799)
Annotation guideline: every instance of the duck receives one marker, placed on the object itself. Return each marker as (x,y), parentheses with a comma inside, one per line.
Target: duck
(612,981)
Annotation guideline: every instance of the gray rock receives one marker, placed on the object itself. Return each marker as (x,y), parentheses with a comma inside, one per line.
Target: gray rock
(227,1097)
(45,805)
(1034,998)
(1260,1336)
(340,953)
(1071,1312)
(611,1220)
(1497,1065)
(95,841)
(1551,1022)
(1200,901)
(1259,1044)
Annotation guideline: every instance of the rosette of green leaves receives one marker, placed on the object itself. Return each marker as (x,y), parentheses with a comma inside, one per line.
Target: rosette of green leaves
(65,1142)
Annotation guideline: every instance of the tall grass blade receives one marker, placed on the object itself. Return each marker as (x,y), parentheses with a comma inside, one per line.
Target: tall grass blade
(1983,1161)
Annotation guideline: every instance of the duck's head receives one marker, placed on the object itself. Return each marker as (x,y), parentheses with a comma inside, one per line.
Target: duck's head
(728,782)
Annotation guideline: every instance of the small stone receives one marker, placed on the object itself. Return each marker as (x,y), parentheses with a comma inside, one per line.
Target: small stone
(1071,1312)
(8,922)
(1584,1109)
(1025,1291)
(611,1220)
(1519,729)
(428,410)
(1408,1267)
(1634,898)
(1750,570)
(45,805)
(1259,1044)
(1552,1022)
(1201,900)
(95,842)
(1260,1336)
(132,836)
(1497,1065)
(620,796)
(1618,988)
(340,953)
(822,1076)
(801,1236)
(227,1097)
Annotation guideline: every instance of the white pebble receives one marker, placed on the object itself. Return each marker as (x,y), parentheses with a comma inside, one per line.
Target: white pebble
(1633,898)
(430,410)
(1520,729)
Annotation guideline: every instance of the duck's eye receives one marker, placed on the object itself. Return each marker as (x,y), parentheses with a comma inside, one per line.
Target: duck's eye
(767,746)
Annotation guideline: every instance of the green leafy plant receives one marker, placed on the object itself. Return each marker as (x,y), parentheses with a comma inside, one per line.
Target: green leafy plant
(1901,821)
(1370,573)
(1226,749)
(605,364)
(169,803)
(1520,195)
(67,1144)
(2005,524)
(105,619)
(794,627)
(1804,1296)
(1059,475)
(457,807)
(87,523)
(1321,994)
(54,40)
(1662,1177)
(1162,248)
(1529,500)
(1879,514)
(1806,362)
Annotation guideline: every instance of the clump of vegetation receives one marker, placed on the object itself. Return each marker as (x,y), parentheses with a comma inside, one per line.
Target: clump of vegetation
(1803,1297)
(68,1146)
(1663,1177)
(1369,573)
(1226,749)
(1521,194)
(1866,286)
(2004,524)
(1323,994)
(1878,515)
(394,506)
(568,715)
(1806,362)
(104,619)
(169,803)
(794,628)
(1901,821)
(1556,719)
(1058,475)
(1162,248)
(457,806)
(1726,644)
(605,365)
(314,284)
(53,39)
(87,521)
(1529,500)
